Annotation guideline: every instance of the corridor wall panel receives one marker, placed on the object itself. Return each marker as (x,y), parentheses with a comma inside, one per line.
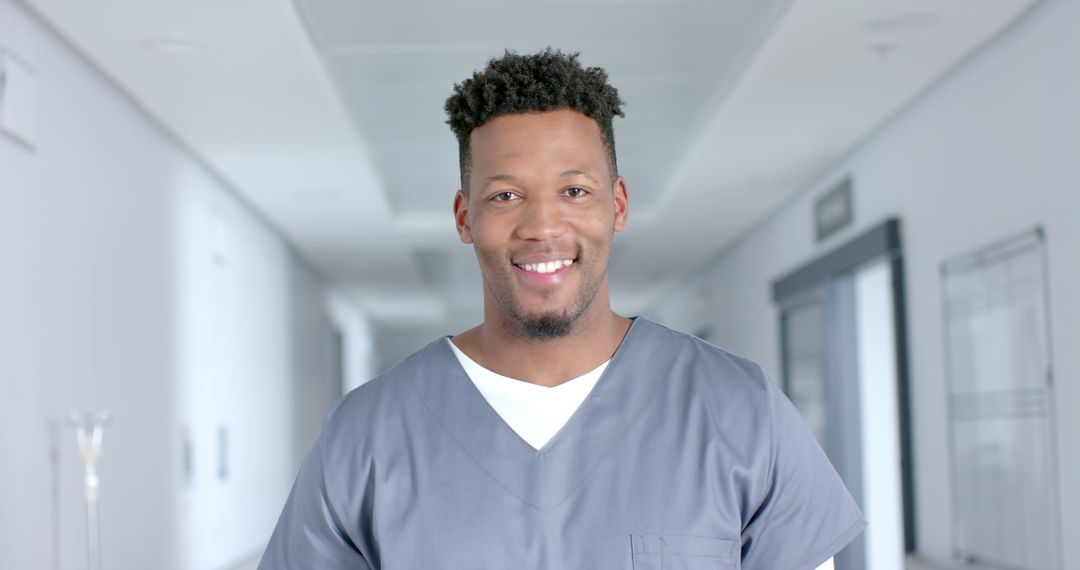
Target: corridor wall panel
(217,375)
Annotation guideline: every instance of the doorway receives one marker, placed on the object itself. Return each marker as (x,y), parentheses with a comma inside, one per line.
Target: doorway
(844,355)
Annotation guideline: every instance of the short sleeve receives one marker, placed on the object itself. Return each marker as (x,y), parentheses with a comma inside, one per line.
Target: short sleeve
(309,533)
(807,514)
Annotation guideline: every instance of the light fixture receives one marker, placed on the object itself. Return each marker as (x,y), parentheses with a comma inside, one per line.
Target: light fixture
(176,44)
(898,22)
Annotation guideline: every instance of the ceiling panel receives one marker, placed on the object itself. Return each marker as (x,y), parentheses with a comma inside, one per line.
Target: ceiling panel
(442,25)
(396,63)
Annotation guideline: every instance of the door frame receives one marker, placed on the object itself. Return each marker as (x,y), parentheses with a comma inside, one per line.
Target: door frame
(881,240)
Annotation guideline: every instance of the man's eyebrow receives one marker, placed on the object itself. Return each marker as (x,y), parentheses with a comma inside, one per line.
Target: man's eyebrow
(512,178)
(575,172)
(500,178)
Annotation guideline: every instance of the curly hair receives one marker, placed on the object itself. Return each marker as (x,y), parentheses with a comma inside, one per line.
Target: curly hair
(545,81)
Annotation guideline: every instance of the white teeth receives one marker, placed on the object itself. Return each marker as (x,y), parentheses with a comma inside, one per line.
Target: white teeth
(546,267)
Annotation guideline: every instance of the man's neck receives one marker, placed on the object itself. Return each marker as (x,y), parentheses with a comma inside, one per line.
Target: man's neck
(501,348)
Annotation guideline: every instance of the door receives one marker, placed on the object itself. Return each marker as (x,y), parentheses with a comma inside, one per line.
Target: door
(843,354)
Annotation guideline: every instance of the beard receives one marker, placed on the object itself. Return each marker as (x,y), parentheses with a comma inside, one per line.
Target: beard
(549,325)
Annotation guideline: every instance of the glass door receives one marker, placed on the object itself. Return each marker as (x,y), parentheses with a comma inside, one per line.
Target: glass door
(843,354)
(803,330)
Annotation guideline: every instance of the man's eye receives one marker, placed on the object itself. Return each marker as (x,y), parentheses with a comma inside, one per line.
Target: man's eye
(503,197)
(576,192)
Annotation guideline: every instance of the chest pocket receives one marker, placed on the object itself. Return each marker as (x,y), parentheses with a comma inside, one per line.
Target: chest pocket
(676,552)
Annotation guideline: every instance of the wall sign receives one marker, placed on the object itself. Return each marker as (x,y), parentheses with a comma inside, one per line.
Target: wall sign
(833,212)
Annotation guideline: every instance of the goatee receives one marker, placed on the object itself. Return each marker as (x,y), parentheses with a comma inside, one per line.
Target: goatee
(547,327)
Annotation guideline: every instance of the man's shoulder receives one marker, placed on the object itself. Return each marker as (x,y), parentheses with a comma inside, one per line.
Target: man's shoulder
(387,393)
(736,392)
(699,358)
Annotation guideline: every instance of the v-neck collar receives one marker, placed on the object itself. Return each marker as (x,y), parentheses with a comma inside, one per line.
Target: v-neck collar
(476,371)
(545,478)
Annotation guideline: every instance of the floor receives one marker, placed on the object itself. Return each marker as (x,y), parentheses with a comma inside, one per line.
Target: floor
(915,563)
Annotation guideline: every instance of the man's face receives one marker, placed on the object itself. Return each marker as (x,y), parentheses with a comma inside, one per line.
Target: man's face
(541,211)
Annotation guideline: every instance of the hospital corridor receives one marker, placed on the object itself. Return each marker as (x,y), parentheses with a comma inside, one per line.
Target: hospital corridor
(218,217)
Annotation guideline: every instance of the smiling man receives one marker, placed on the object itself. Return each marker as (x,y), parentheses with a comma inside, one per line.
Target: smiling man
(540,202)
(558,434)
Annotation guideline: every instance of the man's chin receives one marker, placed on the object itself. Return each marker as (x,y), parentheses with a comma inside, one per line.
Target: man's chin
(547,327)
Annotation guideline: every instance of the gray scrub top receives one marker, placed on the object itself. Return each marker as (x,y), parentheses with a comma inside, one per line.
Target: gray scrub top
(684,456)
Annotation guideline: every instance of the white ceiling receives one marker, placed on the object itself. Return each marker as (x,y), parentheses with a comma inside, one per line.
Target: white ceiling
(395,65)
(327,116)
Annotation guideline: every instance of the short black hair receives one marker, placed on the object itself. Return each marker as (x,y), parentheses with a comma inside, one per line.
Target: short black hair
(516,84)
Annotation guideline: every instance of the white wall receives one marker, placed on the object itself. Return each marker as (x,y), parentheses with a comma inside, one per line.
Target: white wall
(110,297)
(360,334)
(988,152)
(254,359)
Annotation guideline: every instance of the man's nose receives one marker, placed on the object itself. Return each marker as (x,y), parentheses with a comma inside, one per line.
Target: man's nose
(543,218)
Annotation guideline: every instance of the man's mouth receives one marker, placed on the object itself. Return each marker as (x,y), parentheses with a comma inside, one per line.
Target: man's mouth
(545,267)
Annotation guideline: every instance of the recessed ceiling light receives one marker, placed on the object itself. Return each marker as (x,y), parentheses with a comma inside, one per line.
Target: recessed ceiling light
(898,22)
(176,45)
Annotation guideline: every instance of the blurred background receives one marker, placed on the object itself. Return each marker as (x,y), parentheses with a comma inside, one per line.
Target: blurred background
(218,216)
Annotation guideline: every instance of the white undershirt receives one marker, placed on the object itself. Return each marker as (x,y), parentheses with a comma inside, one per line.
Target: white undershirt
(534,412)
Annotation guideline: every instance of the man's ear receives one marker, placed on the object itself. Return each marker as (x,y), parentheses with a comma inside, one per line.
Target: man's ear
(622,203)
(461,216)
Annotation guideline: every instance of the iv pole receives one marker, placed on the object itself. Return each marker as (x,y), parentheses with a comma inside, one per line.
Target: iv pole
(89,429)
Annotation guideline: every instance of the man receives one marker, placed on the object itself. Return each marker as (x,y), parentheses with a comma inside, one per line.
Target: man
(558,434)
